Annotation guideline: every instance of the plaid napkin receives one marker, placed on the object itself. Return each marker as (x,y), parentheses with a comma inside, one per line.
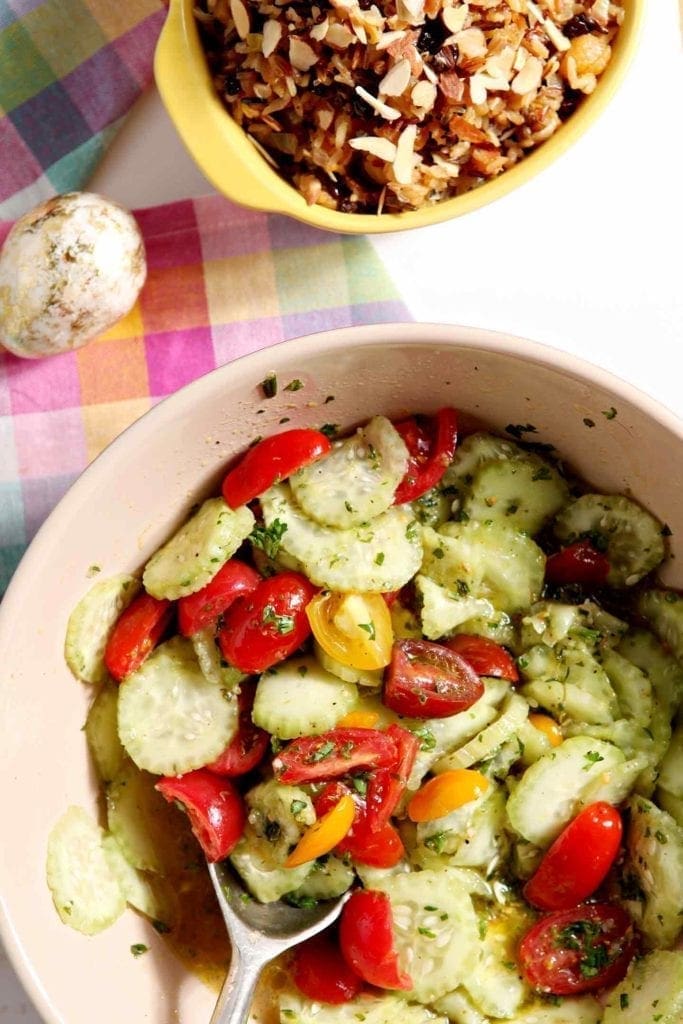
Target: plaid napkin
(223,281)
(69,72)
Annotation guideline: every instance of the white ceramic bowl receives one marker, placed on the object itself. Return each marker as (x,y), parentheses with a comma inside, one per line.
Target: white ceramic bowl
(138,491)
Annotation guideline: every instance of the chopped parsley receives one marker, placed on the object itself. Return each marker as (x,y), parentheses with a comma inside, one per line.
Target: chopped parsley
(588,421)
(294,385)
(518,429)
(369,628)
(268,538)
(284,624)
(161,927)
(138,948)
(297,806)
(269,385)
(610,413)
(542,473)
(323,751)
(427,932)
(426,737)
(379,558)
(583,936)
(623,1000)
(436,842)
(592,757)
(330,430)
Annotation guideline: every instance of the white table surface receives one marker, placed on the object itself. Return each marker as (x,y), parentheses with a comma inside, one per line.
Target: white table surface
(586,258)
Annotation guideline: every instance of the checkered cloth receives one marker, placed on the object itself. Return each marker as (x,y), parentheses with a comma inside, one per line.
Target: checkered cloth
(69,72)
(223,281)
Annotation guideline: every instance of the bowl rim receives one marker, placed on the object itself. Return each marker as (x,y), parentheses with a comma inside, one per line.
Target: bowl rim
(254,366)
(233,165)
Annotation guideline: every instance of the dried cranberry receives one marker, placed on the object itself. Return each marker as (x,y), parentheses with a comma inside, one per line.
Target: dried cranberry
(433,35)
(579,25)
(570,101)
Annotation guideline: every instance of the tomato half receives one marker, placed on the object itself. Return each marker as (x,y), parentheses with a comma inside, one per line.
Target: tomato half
(214,807)
(202,609)
(578,563)
(137,632)
(248,746)
(578,950)
(366,937)
(425,468)
(320,971)
(354,629)
(579,859)
(267,625)
(377,846)
(386,786)
(272,459)
(486,657)
(445,793)
(427,680)
(334,753)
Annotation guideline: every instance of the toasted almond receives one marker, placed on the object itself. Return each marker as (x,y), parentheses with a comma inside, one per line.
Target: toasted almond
(396,80)
(319,31)
(471,42)
(499,65)
(387,38)
(272,33)
(404,159)
(382,148)
(529,78)
(339,35)
(411,11)
(383,109)
(240,16)
(301,55)
(423,95)
(454,18)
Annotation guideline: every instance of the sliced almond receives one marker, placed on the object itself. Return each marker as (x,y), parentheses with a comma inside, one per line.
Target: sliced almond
(301,55)
(396,80)
(272,33)
(240,16)
(404,161)
(471,42)
(454,18)
(411,11)
(387,38)
(383,109)
(423,95)
(499,65)
(339,35)
(319,31)
(529,78)
(382,148)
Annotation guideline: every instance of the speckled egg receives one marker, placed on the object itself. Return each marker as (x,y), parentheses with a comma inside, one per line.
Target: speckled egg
(69,269)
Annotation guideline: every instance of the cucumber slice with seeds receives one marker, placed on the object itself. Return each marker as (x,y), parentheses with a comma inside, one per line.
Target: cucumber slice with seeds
(357,480)
(442,611)
(171,718)
(84,889)
(472,453)
(299,697)
(91,623)
(663,670)
(141,821)
(525,493)
(664,611)
(150,894)
(281,814)
(328,878)
(631,685)
(654,844)
(381,556)
(101,732)
(261,873)
(651,992)
(193,556)
(633,537)
(368,1009)
(362,676)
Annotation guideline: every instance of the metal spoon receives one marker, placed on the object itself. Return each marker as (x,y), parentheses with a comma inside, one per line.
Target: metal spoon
(258,932)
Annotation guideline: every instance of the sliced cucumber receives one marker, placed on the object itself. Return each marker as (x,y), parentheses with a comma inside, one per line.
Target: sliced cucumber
(551,792)
(84,888)
(473,836)
(437,948)
(499,628)
(671,771)
(363,676)
(442,611)
(664,611)
(633,537)
(568,682)
(141,820)
(368,1009)
(171,718)
(404,622)
(101,732)
(213,665)
(651,992)
(577,1010)
(459,1008)
(279,814)
(299,697)
(193,556)
(150,894)
(673,805)
(262,874)
(474,452)
(512,716)
(663,670)
(524,492)
(654,844)
(382,556)
(550,622)
(91,623)
(329,877)
(525,858)
(486,560)
(432,508)
(357,480)
(496,986)
(631,685)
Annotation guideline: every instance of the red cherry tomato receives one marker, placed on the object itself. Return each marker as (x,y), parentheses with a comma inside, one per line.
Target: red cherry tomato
(214,807)
(247,748)
(321,972)
(386,786)
(272,459)
(578,950)
(578,563)
(366,936)
(379,847)
(578,860)
(267,625)
(426,680)
(334,753)
(202,609)
(136,633)
(486,657)
(425,468)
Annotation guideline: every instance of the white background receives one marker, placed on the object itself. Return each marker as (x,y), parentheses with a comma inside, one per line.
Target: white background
(586,258)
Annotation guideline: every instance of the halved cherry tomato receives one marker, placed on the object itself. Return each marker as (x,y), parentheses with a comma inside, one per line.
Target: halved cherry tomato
(578,563)
(427,680)
(248,746)
(579,859)
(578,950)
(321,972)
(136,633)
(386,786)
(334,753)
(214,807)
(486,657)
(354,629)
(378,847)
(359,720)
(272,459)
(267,625)
(366,937)
(324,834)
(548,726)
(202,609)
(445,793)
(425,469)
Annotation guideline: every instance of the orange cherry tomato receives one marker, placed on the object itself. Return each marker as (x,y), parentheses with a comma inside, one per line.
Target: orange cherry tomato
(548,726)
(445,793)
(359,720)
(324,835)
(354,629)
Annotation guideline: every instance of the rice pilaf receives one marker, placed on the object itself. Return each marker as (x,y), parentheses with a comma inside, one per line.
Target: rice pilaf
(383,107)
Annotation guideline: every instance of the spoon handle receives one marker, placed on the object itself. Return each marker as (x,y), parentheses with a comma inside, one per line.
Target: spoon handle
(236,996)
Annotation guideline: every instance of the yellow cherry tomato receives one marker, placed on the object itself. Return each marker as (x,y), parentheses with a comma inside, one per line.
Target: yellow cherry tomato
(354,629)
(359,720)
(324,835)
(548,726)
(445,793)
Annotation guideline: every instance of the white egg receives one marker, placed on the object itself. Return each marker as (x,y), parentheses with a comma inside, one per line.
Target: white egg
(69,269)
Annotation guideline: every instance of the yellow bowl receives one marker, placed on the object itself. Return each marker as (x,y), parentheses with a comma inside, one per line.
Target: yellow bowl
(234,166)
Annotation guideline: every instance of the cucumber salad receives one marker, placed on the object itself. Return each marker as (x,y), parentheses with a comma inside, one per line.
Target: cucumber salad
(438,672)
